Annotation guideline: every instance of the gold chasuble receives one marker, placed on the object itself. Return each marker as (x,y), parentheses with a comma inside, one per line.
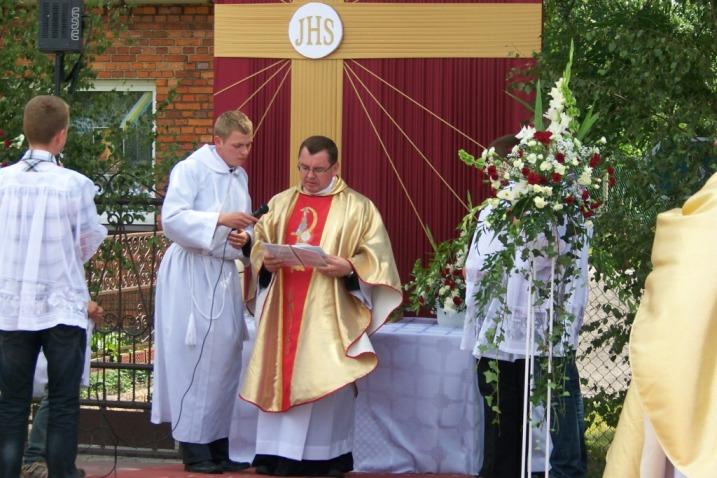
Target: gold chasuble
(312,334)
(673,350)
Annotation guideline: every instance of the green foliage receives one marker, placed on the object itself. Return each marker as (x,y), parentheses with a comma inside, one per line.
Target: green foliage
(27,72)
(546,189)
(106,143)
(650,70)
(441,280)
(104,382)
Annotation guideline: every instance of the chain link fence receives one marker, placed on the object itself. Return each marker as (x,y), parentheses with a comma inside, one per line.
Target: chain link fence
(605,377)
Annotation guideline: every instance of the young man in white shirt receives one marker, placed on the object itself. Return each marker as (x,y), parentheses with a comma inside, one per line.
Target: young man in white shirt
(50,228)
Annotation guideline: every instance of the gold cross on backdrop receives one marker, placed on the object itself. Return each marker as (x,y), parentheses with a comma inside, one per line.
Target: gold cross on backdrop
(371,30)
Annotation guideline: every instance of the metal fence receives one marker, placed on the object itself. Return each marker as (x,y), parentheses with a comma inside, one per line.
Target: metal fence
(122,276)
(605,377)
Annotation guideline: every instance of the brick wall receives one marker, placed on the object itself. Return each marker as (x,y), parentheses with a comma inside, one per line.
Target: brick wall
(173,46)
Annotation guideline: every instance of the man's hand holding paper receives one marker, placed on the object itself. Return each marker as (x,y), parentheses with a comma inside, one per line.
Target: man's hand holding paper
(336,267)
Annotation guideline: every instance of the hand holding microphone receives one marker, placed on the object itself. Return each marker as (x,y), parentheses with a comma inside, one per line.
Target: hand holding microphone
(240,220)
(236,220)
(237,237)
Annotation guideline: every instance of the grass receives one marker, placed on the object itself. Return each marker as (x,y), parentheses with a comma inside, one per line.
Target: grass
(598,437)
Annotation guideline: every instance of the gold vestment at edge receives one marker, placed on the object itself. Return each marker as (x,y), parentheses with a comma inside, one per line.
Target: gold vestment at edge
(673,348)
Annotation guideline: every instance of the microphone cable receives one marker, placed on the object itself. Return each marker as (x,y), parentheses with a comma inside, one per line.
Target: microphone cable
(194,371)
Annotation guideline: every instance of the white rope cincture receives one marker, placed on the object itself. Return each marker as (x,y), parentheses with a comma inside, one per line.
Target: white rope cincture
(190,337)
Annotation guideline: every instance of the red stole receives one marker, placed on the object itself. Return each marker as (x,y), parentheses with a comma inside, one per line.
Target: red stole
(306,225)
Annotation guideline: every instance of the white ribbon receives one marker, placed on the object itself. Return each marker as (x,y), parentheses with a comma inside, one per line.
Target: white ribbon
(529,374)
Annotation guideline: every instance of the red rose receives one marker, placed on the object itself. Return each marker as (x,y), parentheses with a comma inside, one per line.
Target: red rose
(457,300)
(543,137)
(587,213)
(569,200)
(534,178)
(2,133)
(611,181)
(492,172)
(450,283)
(595,205)
(560,157)
(610,170)
(585,195)
(594,160)
(7,143)
(555,177)
(525,171)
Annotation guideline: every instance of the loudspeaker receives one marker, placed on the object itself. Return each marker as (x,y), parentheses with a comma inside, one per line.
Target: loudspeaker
(60,26)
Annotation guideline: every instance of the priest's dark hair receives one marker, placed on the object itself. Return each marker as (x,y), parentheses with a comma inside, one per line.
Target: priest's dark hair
(316,144)
(504,144)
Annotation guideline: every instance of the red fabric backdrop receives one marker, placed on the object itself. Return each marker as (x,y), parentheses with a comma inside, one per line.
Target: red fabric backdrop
(468,93)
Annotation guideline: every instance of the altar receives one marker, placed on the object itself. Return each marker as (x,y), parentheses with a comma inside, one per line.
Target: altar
(418,412)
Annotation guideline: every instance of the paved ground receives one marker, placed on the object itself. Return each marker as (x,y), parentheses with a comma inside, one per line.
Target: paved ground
(129,467)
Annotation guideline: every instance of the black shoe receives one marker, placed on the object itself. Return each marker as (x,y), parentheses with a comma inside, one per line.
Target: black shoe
(231,465)
(334,473)
(263,470)
(208,467)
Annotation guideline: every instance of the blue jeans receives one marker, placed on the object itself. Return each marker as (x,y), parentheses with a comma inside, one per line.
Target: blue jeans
(64,348)
(37,441)
(502,441)
(569,456)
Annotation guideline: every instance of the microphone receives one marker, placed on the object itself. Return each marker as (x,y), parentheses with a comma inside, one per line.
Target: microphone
(260,211)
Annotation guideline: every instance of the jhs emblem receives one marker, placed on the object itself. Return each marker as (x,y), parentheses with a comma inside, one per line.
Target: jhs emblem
(315,30)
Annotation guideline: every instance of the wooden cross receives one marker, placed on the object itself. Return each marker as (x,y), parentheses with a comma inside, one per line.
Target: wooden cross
(371,30)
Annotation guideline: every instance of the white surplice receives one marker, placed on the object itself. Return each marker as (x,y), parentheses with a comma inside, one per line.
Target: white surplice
(478,326)
(50,228)
(199,295)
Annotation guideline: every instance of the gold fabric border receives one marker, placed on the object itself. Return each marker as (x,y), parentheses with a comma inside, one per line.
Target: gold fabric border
(387,30)
(316,104)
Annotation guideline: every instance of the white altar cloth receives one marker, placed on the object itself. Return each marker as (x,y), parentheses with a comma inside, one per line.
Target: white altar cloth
(418,412)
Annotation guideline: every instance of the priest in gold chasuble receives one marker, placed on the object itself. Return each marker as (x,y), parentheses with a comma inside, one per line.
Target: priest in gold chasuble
(313,324)
(668,423)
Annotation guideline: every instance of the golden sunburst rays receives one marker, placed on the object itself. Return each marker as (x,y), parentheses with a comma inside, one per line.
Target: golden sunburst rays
(362,90)
(279,66)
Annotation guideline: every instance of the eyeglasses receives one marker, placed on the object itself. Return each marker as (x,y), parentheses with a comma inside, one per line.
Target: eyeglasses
(306,170)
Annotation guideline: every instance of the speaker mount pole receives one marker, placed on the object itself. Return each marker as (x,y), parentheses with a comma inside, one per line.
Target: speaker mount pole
(59,70)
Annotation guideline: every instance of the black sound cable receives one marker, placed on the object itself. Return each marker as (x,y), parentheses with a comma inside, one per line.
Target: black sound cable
(260,211)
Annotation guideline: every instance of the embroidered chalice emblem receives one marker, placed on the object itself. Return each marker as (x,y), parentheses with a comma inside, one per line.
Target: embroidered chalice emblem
(304,231)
